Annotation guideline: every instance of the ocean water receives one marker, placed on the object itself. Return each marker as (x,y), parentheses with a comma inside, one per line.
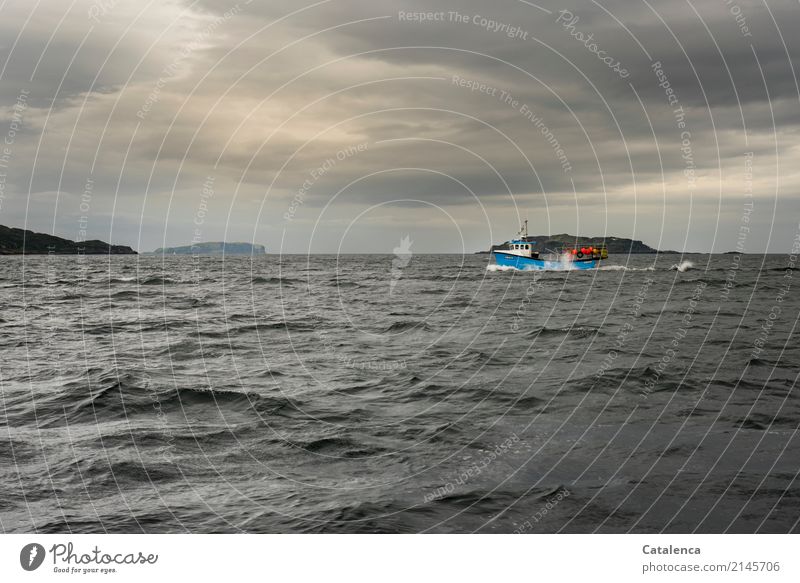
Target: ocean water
(371,394)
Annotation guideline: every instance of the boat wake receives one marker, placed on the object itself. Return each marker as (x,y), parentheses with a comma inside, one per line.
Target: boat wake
(495,267)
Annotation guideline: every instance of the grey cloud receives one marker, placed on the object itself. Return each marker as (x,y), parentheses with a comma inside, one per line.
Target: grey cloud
(228,110)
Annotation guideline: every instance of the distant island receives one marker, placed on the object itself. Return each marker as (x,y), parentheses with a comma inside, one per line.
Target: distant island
(22,242)
(213,248)
(560,242)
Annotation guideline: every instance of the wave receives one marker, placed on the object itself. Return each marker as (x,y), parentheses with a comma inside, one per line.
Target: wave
(275,280)
(459,303)
(121,396)
(128,293)
(157,280)
(339,447)
(765,422)
(682,266)
(95,473)
(631,379)
(306,325)
(403,325)
(13,449)
(71,296)
(519,402)
(227,399)
(492,503)
(340,282)
(262,327)
(479,357)
(576,331)
(444,277)
(754,361)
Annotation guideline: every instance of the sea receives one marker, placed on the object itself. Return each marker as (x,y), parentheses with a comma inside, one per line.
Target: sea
(398,394)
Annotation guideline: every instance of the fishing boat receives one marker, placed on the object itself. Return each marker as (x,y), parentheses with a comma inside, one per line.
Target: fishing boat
(521,255)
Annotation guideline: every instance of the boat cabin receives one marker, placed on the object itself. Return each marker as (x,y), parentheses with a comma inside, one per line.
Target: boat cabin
(522,248)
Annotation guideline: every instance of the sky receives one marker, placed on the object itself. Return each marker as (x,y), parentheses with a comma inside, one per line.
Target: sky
(344,126)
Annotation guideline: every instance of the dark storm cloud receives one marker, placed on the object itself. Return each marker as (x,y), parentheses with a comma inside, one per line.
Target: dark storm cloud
(148,102)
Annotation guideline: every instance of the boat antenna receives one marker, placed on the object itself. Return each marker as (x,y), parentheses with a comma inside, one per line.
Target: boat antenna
(524,230)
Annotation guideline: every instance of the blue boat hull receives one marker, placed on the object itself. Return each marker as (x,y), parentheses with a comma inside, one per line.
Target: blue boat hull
(526,263)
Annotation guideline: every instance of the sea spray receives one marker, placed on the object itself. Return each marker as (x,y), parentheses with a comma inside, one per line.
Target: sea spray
(682,266)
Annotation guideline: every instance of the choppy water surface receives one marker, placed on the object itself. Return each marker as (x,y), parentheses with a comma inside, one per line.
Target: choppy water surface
(329,394)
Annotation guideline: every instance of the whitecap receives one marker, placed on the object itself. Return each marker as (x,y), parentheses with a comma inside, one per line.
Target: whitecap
(683,266)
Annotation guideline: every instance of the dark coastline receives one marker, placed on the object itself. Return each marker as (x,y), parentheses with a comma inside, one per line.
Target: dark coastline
(15,241)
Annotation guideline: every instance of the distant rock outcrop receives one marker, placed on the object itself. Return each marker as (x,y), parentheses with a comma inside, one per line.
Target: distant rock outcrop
(560,242)
(214,248)
(21,242)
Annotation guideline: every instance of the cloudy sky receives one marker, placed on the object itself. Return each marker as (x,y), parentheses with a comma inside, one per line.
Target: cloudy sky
(342,126)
